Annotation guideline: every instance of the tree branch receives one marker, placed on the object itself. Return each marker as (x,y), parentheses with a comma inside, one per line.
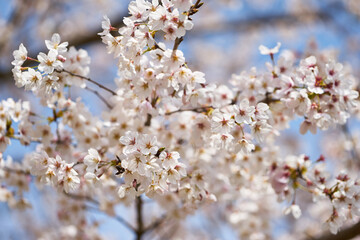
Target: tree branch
(197,110)
(99,96)
(140,223)
(116,217)
(148,120)
(89,199)
(242,25)
(155,224)
(345,234)
(16,171)
(88,79)
(81,198)
(18,137)
(77,41)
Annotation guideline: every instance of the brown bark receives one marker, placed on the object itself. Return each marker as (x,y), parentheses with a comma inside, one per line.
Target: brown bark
(344,234)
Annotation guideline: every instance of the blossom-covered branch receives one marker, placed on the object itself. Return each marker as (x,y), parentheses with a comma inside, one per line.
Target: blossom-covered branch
(172,137)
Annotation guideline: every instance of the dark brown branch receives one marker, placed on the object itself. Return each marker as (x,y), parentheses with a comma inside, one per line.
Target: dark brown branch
(194,9)
(139,216)
(89,199)
(99,96)
(345,234)
(116,217)
(148,120)
(236,98)
(266,100)
(81,198)
(177,44)
(88,79)
(155,224)
(198,110)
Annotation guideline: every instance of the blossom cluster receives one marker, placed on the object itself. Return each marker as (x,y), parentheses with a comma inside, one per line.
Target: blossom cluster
(13,184)
(14,112)
(323,92)
(54,171)
(48,76)
(298,172)
(148,69)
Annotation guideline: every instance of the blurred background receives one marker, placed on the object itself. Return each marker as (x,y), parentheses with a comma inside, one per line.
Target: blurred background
(224,41)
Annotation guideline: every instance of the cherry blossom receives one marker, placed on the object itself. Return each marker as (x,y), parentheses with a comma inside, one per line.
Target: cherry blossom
(169,136)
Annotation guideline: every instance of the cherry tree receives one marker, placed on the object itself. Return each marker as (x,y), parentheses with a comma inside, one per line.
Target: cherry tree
(170,145)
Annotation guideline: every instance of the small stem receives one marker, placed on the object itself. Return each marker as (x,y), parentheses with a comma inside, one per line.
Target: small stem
(58,140)
(236,98)
(118,218)
(192,11)
(18,137)
(140,224)
(272,59)
(195,8)
(198,110)
(35,114)
(197,4)
(99,96)
(148,120)
(176,45)
(268,100)
(89,199)
(158,47)
(90,80)
(17,171)
(81,197)
(155,224)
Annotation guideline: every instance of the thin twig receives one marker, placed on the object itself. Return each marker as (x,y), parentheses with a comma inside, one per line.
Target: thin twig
(81,198)
(157,46)
(195,8)
(34,114)
(89,199)
(17,171)
(155,224)
(198,110)
(116,217)
(88,79)
(266,100)
(148,120)
(18,137)
(177,44)
(55,116)
(99,96)
(236,98)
